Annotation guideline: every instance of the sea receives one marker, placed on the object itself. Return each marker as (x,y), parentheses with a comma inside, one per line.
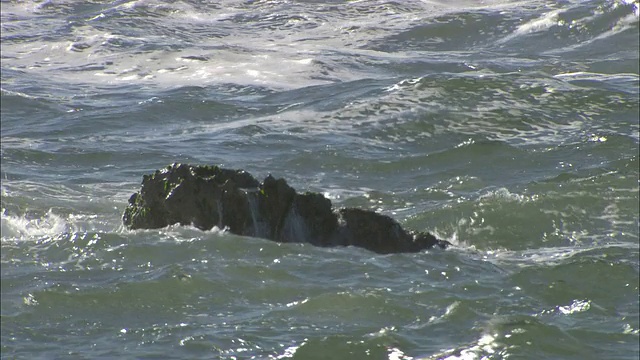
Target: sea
(509,128)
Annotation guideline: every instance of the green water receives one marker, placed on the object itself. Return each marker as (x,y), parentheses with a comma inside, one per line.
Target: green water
(509,129)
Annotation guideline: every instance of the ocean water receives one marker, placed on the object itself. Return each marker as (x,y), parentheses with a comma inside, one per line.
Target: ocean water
(510,128)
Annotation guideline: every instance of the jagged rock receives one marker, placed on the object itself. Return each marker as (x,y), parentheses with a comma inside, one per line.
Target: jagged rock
(208,196)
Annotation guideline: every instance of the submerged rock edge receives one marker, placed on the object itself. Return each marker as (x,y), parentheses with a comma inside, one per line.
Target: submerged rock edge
(207,196)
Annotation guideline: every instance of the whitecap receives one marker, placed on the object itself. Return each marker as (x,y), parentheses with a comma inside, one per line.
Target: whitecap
(539,24)
(25,228)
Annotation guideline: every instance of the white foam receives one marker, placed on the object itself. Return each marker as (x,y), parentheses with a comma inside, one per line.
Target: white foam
(279,57)
(486,346)
(539,24)
(178,233)
(583,75)
(503,194)
(21,227)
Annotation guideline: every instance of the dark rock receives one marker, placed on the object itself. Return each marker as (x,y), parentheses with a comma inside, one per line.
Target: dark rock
(208,196)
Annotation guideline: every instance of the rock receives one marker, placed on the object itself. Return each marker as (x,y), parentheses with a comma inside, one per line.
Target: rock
(373,231)
(208,196)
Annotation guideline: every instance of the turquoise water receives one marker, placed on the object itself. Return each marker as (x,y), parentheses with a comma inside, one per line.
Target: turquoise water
(508,128)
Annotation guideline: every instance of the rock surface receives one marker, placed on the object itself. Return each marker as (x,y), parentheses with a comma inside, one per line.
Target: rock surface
(208,196)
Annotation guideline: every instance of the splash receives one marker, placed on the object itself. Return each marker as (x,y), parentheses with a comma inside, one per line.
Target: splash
(24,227)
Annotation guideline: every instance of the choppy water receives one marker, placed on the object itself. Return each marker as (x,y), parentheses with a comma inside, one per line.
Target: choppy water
(507,127)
